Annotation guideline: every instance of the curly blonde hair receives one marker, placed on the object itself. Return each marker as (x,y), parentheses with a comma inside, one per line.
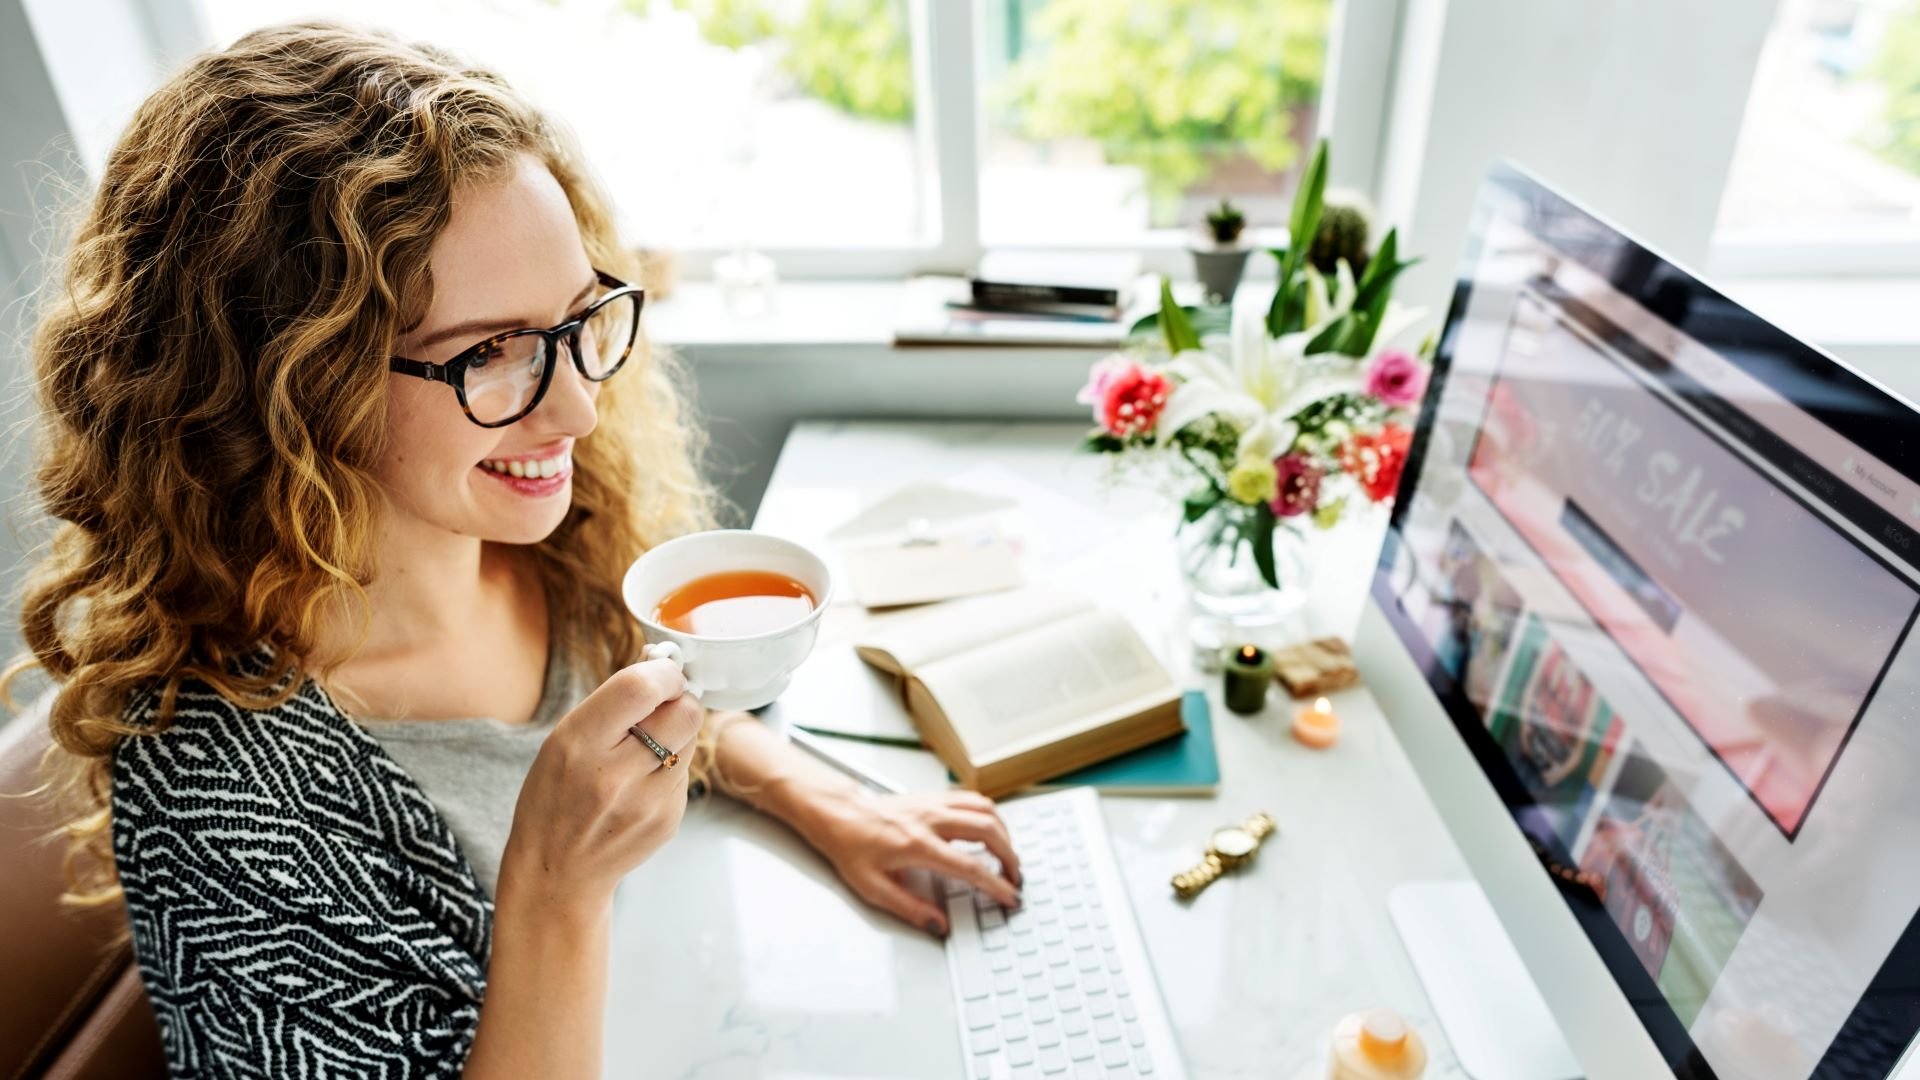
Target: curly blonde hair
(212,380)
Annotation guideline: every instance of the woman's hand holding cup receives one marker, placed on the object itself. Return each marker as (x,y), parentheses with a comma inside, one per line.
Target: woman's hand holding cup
(598,801)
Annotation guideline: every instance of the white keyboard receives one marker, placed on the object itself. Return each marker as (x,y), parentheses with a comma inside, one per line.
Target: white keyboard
(1061,987)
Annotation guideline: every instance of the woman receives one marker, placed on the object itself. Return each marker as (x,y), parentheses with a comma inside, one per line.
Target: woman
(350,436)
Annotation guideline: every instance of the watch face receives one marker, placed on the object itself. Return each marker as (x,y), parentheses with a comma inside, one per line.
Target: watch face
(1234,842)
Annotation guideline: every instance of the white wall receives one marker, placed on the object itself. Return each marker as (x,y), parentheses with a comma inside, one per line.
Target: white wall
(1630,106)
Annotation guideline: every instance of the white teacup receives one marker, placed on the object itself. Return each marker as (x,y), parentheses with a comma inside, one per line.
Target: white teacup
(728,672)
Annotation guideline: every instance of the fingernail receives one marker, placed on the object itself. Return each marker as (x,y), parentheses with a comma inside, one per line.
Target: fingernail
(935,928)
(1017,879)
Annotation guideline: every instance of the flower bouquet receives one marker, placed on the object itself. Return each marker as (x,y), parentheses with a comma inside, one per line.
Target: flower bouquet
(1281,423)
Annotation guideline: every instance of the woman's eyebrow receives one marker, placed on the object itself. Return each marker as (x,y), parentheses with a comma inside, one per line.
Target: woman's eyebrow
(482,327)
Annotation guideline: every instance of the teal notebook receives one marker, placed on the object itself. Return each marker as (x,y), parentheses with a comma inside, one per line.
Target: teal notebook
(1182,765)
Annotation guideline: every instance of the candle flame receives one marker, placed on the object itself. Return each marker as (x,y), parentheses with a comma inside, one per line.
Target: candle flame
(1249,653)
(1322,706)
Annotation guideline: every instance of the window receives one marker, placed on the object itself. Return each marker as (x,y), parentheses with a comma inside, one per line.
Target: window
(863,138)
(712,121)
(1826,176)
(1106,120)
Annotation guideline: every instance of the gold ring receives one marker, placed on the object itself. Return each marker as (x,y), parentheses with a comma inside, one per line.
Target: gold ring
(668,759)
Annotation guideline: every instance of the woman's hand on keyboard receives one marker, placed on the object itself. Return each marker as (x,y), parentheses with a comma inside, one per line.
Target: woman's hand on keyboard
(871,839)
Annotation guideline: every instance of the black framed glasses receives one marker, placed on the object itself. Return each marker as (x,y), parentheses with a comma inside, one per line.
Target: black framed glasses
(502,379)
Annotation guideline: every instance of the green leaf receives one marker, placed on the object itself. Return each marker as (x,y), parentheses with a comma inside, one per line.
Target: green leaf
(1197,505)
(1206,319)
(1289,306)
(1173,320)
(1262,539)
(1375,289)
(1100,442)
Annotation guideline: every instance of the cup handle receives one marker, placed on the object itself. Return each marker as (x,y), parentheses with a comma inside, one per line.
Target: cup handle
(667,650)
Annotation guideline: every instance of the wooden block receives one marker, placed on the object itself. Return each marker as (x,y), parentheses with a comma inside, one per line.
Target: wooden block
(1315,668)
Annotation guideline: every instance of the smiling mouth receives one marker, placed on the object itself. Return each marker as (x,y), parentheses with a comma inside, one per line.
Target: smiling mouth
(531,468)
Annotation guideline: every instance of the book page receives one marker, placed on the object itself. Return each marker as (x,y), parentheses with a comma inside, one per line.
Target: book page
(915,639)
(1045,685)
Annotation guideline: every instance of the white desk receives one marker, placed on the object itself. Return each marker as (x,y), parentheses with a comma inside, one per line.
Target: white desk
(737,952)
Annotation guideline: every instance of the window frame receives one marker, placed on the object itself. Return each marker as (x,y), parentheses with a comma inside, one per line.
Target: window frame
(1355,96)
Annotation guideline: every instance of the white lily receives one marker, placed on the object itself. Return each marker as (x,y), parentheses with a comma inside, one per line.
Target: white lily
(1267,383)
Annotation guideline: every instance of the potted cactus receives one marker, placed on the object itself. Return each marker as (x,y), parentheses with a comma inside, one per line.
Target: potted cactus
(1345,227)
(1219,259)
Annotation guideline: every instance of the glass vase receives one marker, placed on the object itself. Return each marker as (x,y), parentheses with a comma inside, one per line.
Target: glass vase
(1232,604)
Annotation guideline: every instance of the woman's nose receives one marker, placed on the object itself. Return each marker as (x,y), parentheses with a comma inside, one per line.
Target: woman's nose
(569,404)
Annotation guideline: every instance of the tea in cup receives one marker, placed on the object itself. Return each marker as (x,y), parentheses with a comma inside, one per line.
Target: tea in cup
(738,609)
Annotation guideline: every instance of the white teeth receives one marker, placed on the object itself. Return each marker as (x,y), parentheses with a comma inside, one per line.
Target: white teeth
(532,470)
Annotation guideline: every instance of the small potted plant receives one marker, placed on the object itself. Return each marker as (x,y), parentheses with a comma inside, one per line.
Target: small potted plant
(1220,258)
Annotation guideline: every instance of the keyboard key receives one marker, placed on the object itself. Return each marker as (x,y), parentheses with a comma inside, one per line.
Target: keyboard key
(1105,1029)
(1058,956)
(1120,987)
(1052,934)
(1000,960)
(1079,1047)
(1020,1053)
(1142,1062)
(1026,944)
(979,1014)
(1037,988)
(975,981)
(1113,1053)
(1040,1012)
(1113,962)
(1068,1000)
(984,1042)
(1100,1006)
(983,1066)
(1075,918)
(1053,1060)
(996,916)
(1064,977)
(1075,1023)
(1128,1010)
(1029,965)
(1005,982)
(1087,960)
(993,939)
(1088,1070)
(1015,1029)
(1011,1005)
(1080,938)
(1091,981)
(1046,1033)
(1105,937)
(1136,1035)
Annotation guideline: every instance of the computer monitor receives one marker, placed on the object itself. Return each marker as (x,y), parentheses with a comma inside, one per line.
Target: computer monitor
(1641,622)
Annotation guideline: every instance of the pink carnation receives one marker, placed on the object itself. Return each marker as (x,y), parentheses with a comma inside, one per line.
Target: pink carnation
(1127,399)
(1298,491)
(1396,378)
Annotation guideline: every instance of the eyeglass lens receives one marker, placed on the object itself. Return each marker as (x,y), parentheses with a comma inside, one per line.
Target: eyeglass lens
(502,381)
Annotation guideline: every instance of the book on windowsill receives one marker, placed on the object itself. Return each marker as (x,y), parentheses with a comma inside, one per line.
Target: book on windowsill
(1013,688)
(1014,278)
(935,311)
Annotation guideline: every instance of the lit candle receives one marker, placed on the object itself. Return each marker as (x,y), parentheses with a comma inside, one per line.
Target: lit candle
(1249,673)
(1317,725)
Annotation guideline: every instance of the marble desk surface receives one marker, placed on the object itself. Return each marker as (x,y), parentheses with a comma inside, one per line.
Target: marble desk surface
(738,953)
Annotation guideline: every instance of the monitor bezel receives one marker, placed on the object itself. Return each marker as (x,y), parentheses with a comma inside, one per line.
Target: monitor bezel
(1853,404)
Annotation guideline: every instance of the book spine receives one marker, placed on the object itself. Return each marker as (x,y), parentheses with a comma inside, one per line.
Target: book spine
(1006,292)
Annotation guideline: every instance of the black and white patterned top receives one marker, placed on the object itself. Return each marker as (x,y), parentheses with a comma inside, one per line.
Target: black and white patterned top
(299,907)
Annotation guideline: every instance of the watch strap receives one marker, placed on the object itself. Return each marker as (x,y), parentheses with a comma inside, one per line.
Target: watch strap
(1188,883)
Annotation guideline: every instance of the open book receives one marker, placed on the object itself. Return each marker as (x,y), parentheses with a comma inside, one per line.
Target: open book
(1013,688)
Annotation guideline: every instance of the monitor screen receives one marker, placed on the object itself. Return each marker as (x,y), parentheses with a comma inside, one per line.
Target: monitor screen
(1660,562)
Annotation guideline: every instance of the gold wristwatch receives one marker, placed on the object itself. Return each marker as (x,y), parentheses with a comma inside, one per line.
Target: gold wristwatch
(1227,849)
